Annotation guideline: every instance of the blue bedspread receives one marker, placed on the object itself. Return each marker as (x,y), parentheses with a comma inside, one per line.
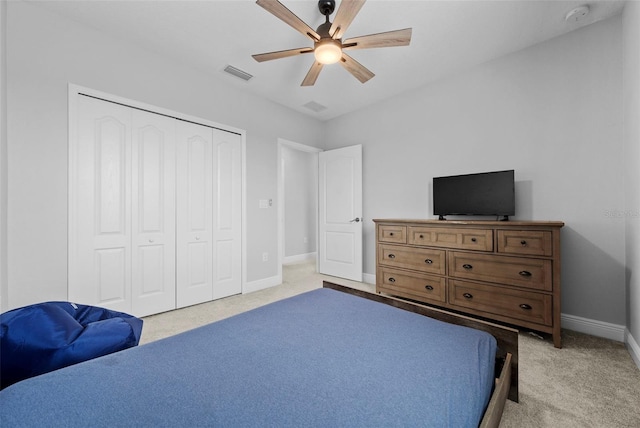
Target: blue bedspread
(323,358)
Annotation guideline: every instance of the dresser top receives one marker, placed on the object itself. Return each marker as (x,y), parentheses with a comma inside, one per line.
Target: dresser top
(493,223)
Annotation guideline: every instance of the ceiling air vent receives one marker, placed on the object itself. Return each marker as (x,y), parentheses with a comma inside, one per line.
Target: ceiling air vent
(237,72)
(312,105)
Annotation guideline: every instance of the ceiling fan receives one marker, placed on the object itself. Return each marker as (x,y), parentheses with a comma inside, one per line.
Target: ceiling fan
(328,47)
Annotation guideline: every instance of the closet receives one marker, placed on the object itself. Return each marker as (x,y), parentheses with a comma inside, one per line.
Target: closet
(154,209)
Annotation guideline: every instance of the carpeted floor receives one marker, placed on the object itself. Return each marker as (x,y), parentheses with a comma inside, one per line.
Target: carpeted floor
(590,382)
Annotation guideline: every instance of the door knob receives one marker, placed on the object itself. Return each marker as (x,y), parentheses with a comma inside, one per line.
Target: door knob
(357,220)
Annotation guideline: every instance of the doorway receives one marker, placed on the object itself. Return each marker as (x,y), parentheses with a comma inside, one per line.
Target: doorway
(297,203)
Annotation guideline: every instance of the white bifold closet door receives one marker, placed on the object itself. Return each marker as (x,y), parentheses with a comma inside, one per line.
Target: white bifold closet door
(122,217)
(133,216)
(208,214)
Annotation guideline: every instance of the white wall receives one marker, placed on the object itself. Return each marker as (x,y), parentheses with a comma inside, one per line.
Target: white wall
(631,75)
(46,52)
(553,113)
(3,155)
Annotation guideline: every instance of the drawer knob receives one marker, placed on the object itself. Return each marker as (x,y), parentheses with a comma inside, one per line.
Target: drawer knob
(429,287)
(467,266)
(421,236)
(473,239)
(392,256)
(523,243)
(429,261)
(525,273)
(392,279)
(390,233)
(525,306)
(468,296)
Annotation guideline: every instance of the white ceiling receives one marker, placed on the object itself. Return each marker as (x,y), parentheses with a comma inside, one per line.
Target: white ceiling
(448,36)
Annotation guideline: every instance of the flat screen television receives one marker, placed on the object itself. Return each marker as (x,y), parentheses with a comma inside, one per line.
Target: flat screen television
(484,194)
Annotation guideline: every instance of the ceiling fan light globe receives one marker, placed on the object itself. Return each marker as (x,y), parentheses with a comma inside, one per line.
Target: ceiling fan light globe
(327,51)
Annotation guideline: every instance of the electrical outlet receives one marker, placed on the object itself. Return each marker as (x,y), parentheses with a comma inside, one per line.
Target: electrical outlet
(265,257)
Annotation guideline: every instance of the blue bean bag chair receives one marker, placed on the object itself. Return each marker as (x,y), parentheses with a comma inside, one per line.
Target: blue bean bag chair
(39,338)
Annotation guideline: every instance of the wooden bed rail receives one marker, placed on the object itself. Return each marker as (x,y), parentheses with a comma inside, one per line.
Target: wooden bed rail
(493,414)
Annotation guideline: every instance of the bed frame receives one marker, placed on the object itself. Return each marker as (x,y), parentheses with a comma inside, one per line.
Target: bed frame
(506,385)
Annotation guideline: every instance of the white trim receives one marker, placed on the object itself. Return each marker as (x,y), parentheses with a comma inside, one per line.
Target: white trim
(74,90)
(77,89)
(261,284)
(632,347)
(368,278)
(593,327)
(299,258)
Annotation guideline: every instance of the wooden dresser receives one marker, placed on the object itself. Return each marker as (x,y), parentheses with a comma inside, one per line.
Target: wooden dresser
(506,271)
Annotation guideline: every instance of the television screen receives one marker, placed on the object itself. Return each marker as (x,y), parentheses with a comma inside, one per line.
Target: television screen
(487,193)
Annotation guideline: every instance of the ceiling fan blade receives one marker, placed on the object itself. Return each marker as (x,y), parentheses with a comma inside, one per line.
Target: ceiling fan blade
(379,40)
(312,75)
(280,11)
(358,70)
(347,10)
(280,54)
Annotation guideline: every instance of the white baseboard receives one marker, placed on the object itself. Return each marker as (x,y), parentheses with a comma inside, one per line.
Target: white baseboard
(593,327)
(261,284)
(368,278)
(299,258)
(633,347)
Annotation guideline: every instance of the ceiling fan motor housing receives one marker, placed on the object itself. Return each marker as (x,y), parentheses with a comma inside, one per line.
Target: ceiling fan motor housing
(326,6)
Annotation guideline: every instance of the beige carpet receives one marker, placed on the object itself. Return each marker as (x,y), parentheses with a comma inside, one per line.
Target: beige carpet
(590,382)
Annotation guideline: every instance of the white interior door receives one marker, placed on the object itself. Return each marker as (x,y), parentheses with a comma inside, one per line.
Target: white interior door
(227,213)
(340,219)
(155,207)
(153,285)
(209,214)
(100,207)
(194,214)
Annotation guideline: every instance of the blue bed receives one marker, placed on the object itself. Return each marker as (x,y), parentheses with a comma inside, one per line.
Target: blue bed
(323,358)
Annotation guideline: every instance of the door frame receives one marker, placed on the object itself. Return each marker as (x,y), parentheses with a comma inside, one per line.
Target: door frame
(281,197)
(75,90)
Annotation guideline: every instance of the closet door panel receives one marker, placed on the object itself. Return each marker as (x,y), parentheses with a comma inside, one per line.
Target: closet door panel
(228,213)
(153,213)
(194,214)
(100,209)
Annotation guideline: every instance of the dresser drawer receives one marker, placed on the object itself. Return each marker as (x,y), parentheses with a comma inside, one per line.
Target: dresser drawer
(526,242)
(421,259)
(516,304)
(449,237)
(519,271)
(412,285)
(392,233)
